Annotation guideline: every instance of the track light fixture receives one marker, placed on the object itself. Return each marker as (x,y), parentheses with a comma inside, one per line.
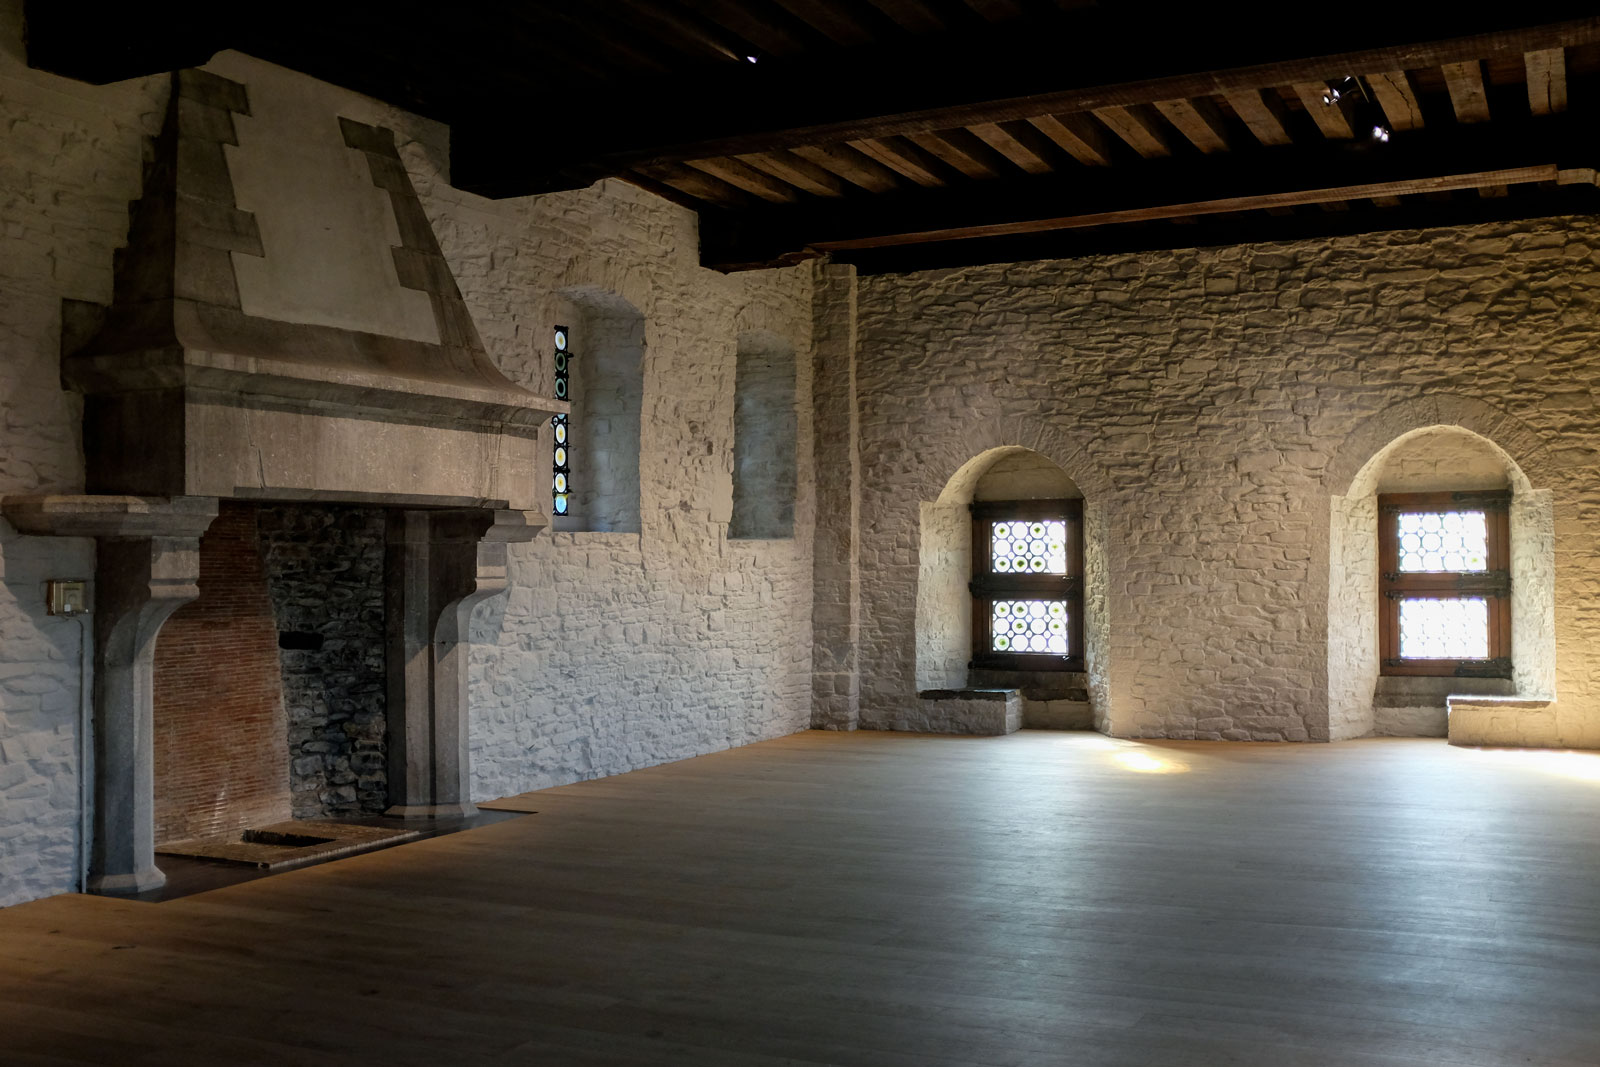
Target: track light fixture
(1351,95)
(1342,89)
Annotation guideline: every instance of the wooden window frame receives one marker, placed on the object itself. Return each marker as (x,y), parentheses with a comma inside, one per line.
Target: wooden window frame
(988,586)
(1493,584)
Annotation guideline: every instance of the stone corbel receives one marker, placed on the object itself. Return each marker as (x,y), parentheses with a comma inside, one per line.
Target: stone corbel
(147,566)
(441,565)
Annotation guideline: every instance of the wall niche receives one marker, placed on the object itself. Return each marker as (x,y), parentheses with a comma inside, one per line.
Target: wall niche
(763,438)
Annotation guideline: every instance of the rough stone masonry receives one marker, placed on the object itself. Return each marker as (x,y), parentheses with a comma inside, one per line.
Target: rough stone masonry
(1210,405)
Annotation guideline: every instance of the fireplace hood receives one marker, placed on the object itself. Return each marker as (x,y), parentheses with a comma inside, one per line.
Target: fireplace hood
(285,327)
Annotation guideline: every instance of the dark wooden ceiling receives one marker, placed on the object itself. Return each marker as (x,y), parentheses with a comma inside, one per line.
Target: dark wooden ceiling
(900,134)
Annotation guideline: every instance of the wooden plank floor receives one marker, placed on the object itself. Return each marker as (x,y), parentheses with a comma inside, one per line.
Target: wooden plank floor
(909,901)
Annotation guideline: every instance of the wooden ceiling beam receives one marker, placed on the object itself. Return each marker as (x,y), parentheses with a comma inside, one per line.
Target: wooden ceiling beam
(798,172)
(996,10)
(911,15)
(1199,120)
(1262,110)
(1008,75)
(1398,98)
(690,25)
(832,20)
(963,151)
(664,21)
(1547,80)
(761,26)
(615,37)
(1335,198)
(1080,136)
(1019,142)
(689,182)
(852,165)
(1467,94)
(904,158)
(1140,126)
(1328,172)
(1271,225)
(744,176)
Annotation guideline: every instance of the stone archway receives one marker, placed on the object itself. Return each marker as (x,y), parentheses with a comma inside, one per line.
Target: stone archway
(1356,476)
(943,619)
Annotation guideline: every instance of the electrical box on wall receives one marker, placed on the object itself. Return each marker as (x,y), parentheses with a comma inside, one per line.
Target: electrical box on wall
(67,596)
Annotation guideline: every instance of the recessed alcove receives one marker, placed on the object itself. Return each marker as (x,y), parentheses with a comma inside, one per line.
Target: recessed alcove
(606,391)
(763,438)
(944,615)
(1442,458)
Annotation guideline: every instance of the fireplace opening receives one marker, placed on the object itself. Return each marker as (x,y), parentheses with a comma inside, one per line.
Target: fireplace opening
(324,566)
(270,687)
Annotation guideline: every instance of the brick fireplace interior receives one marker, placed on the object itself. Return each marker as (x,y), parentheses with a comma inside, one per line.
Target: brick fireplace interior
(269,688)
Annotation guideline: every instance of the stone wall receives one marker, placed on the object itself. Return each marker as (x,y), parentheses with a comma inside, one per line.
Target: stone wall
(612,650)
(1211,404)
(70,159)
(325,573)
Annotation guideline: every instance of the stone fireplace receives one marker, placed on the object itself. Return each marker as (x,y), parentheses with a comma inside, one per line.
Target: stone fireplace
(285,334)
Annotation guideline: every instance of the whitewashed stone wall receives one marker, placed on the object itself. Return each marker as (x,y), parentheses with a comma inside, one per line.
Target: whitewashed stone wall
(69,163)
(611,651)
(1210,403)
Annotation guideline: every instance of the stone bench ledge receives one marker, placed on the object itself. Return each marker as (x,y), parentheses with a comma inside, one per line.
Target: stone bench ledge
(971,711)
(1495,720)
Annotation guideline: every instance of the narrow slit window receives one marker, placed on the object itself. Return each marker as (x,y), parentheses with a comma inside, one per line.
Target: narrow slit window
(1446,583)
(561,478)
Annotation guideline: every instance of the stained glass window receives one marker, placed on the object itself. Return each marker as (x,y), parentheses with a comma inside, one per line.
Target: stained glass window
(1444,541)
(1446,583)
(1029,547)
(1027,585)
(1457,628)
(1028,626)
(561,480)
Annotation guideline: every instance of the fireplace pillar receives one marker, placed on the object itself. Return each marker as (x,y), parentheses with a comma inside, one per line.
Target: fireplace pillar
(440,565)
(147,566)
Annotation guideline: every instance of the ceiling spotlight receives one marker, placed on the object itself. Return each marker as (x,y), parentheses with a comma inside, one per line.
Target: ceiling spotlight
(1339,90)
(1380,133)
(750,59)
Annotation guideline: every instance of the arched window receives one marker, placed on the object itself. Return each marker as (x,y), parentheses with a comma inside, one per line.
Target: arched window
(1441,584)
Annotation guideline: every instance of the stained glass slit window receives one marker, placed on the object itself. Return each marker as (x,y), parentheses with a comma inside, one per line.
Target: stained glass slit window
(561,476)
(1444,562)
